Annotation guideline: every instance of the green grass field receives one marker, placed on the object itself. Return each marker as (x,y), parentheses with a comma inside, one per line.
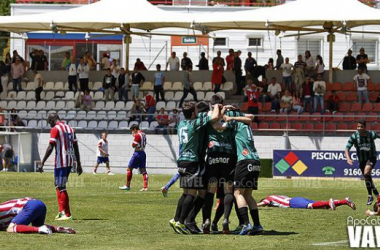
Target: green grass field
(107,218)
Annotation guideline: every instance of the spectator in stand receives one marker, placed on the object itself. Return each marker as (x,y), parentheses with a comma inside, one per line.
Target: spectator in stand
(287,74)
(89,60)
(273,88)
(320,66)
(249,65)
(137,80)
(286,102)
(17,71)
(253,94)
(307,94)
(188,86)
(136,110)
(217,75)
(86,101)
(361,79)
(8,62)
(105,63)
(186,62)
(162,120)
(203,62)
(275,103)
(109,85)
(218,55)
(349,62)
(159,79)
(34,56)
(15,120)
(2,119)
(269,65)
(319,88)
(150,106)
(297,102)
(123,81)
(173,61)
(362,60)
(115,69)
(333,102)
(72,78)
(42,61)
(83,71)
(15,56)
(174,118)
(299,72)
(230,59)
(139,64)
(39,85)
(238,73)
(3,77)
(279,61)
(66,62)
(310,64)
(264,96)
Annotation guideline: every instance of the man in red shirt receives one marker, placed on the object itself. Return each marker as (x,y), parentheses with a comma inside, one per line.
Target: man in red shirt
(150,106)
(333,102)
(230,59)
(253,94)
(64,140)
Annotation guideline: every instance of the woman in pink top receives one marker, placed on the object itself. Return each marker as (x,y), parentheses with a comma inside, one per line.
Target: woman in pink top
(297,103)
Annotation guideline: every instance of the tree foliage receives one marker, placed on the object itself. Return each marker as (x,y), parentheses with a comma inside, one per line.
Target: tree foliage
(5,10)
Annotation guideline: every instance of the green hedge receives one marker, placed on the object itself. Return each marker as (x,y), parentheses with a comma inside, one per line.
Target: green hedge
(266,168)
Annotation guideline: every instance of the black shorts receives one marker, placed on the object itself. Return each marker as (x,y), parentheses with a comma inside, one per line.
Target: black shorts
(220,167)
(370,161)
(8,154)
(192,175)
(247,174)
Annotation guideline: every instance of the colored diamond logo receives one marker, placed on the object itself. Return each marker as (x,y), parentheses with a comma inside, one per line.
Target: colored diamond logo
(245,152)
(299,167)
(210,144)
(291,158)
(282,166)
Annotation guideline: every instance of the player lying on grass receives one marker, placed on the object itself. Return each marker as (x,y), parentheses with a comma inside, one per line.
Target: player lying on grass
(376,210)
(16,215)
(301,202)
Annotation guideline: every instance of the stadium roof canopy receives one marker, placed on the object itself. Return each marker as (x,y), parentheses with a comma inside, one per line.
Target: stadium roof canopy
(104,15)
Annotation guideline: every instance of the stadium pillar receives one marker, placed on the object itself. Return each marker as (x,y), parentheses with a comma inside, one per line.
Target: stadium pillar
(286,141)
(331,40)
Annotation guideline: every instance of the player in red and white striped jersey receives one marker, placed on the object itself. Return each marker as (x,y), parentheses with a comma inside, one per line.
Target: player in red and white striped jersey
(138,159)
(301,202)
(64,140)
(16,215)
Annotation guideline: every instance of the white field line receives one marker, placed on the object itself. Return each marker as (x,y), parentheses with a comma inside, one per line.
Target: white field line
(335,243)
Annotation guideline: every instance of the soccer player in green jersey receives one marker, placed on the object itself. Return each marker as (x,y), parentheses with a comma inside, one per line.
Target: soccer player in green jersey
(363,141)
(188,161)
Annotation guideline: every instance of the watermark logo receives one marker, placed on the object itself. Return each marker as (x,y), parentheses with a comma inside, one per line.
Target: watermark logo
(363,233)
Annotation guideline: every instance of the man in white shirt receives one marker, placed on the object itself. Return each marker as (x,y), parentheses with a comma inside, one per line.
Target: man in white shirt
(102,154)
(173,61)
(72,79)
(287,74)
(361,80)
(38,84)
(273,88)
(319,88)
(83,71)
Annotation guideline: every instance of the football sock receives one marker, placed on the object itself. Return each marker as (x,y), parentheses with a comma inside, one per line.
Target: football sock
(186,208)
(218,214)
(320,205)
(244,215)
(65,201)
(129,177)
(52,228)
(172,181)
(198,204)
(255,216)
(61,205)
(241,221)
(340,202)
(228,201)
(179,207)
(95,169)
(25,229)
(207,209)
(369,184)
(145,177)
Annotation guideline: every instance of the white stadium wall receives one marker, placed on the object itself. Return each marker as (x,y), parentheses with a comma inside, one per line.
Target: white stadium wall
(162,150)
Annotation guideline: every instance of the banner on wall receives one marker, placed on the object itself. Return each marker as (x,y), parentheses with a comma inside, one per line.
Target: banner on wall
(309,163)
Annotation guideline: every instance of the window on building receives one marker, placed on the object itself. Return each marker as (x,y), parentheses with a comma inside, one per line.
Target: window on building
(314,46)
(369,48)
(255,42)
(220,41)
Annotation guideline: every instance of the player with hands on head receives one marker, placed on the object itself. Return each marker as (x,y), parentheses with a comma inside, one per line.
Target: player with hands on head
(64,140)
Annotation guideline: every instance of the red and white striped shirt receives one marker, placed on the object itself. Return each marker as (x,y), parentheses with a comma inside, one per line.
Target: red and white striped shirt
(139,140)
(103,144)
(10,209)
(63,137)
(277,201)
